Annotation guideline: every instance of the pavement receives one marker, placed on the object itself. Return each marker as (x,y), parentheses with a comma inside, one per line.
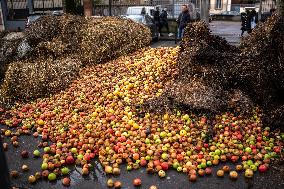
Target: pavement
(227,29)
(273,179)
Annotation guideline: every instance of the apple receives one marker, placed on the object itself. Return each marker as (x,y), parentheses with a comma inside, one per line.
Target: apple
(143,162)
(248,149)
(65,171)
(46,149)
(44,166)
(220,173)
(233,175)
(162,173)
(262,168)
(25,154)
(69,160)
(153,187)
(51,177)
(116,171)
(165,156)
(175,165)
(248,173)
(108,169)
(192,178)
(117,184)
(25,168)
(208,171)
(110,183)
(32,179)
(36,153)
(73,150)
(165,166)
(137,182)
(66,181)
(201,172)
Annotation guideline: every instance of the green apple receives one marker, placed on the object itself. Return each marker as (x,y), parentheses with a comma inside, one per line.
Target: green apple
(73,150)
(51,177)
(65,171)
(36,153)
(165,156)
(175,165)
(44,166)
(163,134)
(248,149)
(46,149)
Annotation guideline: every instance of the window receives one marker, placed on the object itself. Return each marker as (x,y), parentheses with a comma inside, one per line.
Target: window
(218,4)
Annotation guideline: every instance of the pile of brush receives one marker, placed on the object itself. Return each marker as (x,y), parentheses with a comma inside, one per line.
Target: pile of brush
(215,76)
(49,54)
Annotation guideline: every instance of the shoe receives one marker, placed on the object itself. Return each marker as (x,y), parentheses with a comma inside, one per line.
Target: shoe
(171,34)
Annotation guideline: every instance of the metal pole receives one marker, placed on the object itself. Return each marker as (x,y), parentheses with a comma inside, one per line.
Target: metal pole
(260,10)
(31,6)
(43,6)
(204,12)
(4,8)
(109,7)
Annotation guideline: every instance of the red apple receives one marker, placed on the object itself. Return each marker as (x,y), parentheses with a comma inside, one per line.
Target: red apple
(143,162)
(156,163)
(165,166)
(262,168)
(277,149)
(137,182)
(70,160)
(208,171)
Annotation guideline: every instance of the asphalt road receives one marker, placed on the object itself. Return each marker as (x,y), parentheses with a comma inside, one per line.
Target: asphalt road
(227,29)
(273,179)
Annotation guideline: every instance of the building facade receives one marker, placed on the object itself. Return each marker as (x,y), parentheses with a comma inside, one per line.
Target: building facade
(219,6)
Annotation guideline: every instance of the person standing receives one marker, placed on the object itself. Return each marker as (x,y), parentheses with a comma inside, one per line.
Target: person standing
(254,19)
(157,19)
(244,20)
(143,11)
(248,21)
(164,21)
(183,19)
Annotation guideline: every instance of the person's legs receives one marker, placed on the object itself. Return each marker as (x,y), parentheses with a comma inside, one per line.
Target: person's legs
(182,32)
(179,32)
(161,27)
(167,27)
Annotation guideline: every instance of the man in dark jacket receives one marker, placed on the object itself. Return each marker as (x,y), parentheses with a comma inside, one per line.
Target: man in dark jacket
(157,19)
(164,20)
(244,22)
(248,21)
(183,19)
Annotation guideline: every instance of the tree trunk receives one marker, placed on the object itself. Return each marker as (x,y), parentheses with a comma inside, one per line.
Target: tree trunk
(205,11)
(88,7)
(260,10)
(280,7)
(69,6)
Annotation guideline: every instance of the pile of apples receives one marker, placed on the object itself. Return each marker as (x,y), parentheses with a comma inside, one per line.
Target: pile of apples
(98,116)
